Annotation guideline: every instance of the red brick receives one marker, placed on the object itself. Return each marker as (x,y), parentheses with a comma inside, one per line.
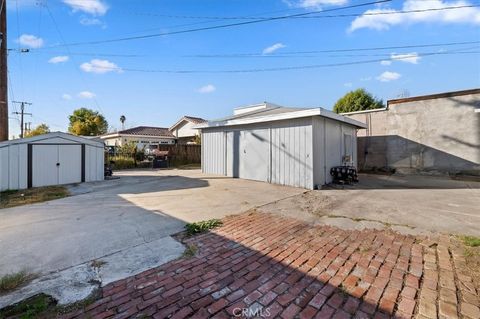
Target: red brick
(290,312)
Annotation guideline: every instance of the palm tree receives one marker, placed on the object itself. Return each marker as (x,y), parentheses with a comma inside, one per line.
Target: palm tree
(122,120)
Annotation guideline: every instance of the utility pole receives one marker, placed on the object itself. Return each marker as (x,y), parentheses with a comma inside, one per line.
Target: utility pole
(3,72)
(22,113)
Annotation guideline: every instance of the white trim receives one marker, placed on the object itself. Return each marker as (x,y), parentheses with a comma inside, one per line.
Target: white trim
(477,110)
(117,135)
(283,116)
(366,111)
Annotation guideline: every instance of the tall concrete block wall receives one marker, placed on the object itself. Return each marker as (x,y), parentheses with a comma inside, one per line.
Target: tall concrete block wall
(430,134)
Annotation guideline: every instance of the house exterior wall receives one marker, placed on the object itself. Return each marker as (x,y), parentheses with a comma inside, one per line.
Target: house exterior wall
(438,135)
(186,130)
(141,141)
(297,152)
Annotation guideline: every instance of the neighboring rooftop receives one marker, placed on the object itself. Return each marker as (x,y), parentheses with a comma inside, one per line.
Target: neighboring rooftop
(146,131)
(194,120)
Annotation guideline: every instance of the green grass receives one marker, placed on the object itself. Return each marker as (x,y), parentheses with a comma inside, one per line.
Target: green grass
(471,241)
(11,282)
(190,251)
(34,307)
(203,226)
(11,198)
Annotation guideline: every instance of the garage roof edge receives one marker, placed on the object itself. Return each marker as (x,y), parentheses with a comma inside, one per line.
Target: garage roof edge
(283,116)
(42,137)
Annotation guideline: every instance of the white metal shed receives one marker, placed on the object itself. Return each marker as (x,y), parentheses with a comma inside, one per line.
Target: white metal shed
(50,159)
(279,145)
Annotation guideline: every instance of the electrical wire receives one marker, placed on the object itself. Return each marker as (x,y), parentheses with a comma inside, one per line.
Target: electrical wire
(289,68)
(315,17)
(223,26)
(289,53)
(68,52)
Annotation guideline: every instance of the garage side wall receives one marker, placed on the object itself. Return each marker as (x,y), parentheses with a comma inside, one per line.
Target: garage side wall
(332,140)
(213,152)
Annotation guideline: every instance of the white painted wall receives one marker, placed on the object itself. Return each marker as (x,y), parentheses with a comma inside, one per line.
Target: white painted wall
(141,141)
(186,130)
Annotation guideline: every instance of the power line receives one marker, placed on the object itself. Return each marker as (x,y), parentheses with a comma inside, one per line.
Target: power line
(68,49)
(310,17)
(288,53)
(290,68)
(223,26)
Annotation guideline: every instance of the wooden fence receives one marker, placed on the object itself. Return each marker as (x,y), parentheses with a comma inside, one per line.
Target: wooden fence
(183,153)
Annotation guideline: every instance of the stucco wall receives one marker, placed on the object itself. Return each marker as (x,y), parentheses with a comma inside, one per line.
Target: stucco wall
(186,130)
(439,135)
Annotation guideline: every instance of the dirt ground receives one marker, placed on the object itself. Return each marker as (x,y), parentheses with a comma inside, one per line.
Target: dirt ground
(409,204)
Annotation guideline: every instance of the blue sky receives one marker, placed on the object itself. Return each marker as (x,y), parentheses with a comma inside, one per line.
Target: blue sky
(61,72)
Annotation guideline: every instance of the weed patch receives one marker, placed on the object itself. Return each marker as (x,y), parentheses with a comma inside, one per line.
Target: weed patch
(471,241)
(203,226)
(13,281)
(190,251)
(13,198)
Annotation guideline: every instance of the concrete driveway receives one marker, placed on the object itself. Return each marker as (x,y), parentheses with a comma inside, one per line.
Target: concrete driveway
(126,223)
(407,204)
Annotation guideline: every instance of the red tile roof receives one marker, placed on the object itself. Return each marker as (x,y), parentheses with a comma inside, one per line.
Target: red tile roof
(148,131)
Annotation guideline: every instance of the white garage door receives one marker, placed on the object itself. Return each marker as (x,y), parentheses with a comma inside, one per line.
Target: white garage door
(254,157)
(56,164)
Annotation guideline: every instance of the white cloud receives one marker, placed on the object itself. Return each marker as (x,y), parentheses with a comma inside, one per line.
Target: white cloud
(30,41)
(90,21)
(385,21)
(406,57)
(315,3)
(386,62)
(66,97)
(86,95)
(100,66)
(368,78)
(93,7)
(58,59)
(388,76)
(273,48)
(209,88)
(348,84)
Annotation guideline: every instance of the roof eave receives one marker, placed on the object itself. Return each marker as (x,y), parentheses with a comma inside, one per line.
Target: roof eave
(283,116)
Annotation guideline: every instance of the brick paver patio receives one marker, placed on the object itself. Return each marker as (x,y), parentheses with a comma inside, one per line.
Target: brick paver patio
(260,265)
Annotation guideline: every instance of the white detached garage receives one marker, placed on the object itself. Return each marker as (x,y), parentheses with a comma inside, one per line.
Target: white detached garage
(279,145)
(50,159)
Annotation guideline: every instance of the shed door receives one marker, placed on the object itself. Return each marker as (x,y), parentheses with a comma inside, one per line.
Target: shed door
(70,159)
(44,165)
(254,155)
(56,164)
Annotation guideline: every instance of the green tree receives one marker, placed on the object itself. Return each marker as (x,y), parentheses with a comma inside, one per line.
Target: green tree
(358,100)
(87,122)
(39,130)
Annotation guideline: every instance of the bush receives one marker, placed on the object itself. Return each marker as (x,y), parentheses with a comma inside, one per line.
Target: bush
(123,163)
